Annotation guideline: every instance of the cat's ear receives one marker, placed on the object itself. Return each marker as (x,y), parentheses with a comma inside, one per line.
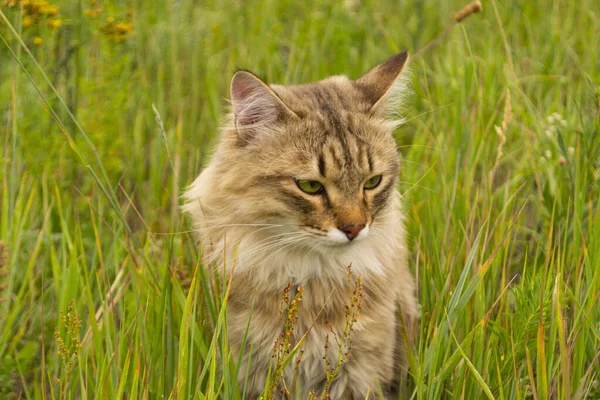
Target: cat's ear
(255,105)
(383,82)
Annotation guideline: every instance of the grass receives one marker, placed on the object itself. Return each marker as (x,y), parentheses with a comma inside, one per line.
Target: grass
(109,113)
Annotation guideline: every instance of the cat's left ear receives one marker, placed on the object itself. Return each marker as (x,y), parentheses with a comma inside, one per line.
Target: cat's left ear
(383,82)
(256,107)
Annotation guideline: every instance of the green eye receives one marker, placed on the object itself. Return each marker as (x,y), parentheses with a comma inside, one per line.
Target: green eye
(310,187)
(373,182)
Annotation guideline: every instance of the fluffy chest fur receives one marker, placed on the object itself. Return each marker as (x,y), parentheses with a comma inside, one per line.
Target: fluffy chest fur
(329,303)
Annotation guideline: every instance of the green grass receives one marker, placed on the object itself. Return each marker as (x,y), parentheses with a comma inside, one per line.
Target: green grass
(102,294)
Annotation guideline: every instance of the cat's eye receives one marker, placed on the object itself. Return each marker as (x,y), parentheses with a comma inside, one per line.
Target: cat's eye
(310,187)
(373,182)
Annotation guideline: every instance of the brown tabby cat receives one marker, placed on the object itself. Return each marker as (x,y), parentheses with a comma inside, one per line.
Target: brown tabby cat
(302,185)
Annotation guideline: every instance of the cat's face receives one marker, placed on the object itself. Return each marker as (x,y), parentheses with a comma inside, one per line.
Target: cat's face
(318,160)
(334,170)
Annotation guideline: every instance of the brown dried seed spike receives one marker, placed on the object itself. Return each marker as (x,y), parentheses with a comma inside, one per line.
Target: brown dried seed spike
(469,9)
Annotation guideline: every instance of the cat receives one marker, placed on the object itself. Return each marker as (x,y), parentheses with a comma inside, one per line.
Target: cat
(302,185)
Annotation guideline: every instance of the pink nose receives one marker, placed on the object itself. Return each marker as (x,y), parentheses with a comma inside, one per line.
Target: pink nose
(352,230)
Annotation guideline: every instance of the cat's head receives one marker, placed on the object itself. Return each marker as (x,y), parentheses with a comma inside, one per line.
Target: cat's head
(318,159)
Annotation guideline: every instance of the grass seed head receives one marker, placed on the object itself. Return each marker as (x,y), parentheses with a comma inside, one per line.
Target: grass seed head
(472,8)
(69,344)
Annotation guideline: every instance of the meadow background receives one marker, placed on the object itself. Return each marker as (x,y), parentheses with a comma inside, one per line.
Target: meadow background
(108,109)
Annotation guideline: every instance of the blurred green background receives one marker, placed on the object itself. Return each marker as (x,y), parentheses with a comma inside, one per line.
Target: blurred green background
(108,109)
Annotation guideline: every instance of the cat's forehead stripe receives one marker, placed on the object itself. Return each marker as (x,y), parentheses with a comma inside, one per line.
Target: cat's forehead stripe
(338,125)
(322,168)
(340,140)
(333,156)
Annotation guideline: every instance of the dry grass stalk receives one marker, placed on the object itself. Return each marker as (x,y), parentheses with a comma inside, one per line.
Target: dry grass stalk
(343,341)
(288,310)
(501,132)
(114,294)
(470,9)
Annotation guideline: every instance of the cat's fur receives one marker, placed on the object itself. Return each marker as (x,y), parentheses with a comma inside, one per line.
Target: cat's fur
(250,214)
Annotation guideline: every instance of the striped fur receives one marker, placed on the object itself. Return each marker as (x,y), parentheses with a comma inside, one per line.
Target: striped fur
(250,213)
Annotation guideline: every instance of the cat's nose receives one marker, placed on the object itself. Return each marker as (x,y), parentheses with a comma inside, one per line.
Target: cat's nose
(352,230)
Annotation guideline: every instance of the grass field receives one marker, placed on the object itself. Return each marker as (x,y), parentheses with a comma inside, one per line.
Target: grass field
(109,109)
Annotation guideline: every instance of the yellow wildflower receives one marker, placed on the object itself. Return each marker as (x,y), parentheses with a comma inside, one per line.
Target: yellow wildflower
(38,41)
(54,23)
(117,30)
(49,9)
(123,28)
(33,7)
(27,21)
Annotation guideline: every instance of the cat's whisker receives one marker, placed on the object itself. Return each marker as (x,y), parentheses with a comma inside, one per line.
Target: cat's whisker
(272,244)
(265,243)
(212,227)
(419,186)
(277,245)
(405,161)
(381,218)
(238,225)
(246,236)
(219,249)
(272,237)
(254,251)
(418,145)
(376,231)
(386,214)
(291,243)
(417,182)
(171,233)
(314,247)
(427,112)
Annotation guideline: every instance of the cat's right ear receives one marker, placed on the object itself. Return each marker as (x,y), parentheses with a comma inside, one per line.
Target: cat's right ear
(383,84)
(256,107)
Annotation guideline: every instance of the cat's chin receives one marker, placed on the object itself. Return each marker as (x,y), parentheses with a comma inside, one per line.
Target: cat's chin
(329,244)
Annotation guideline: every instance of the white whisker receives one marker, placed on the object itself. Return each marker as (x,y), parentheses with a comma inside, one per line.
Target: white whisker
(271,245)
(420,179)
(295,242)
(419,186)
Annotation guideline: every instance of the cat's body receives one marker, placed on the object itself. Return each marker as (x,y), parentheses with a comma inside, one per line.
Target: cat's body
(303,185)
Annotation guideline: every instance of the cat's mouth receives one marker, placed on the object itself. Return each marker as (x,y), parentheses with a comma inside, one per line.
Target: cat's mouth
(336,237)
(347,235)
